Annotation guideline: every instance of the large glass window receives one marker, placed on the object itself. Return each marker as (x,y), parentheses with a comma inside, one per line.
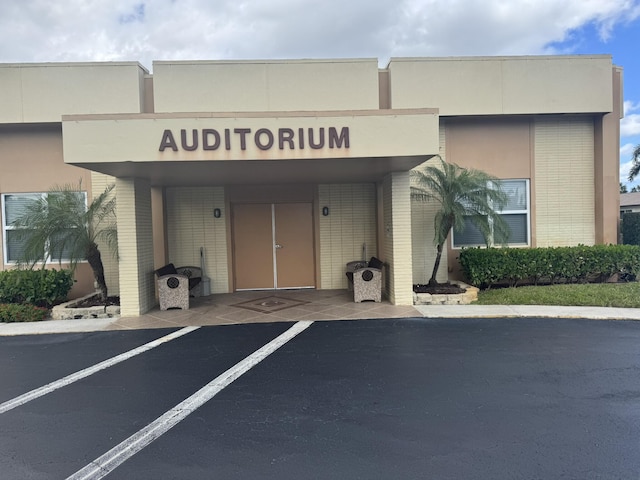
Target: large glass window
(14,238)
(515,213)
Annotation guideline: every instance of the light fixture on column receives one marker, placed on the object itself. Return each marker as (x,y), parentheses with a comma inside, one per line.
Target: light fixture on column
(217,212)
(325,211)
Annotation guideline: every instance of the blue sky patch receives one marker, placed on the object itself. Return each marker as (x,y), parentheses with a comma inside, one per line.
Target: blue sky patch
(136,16)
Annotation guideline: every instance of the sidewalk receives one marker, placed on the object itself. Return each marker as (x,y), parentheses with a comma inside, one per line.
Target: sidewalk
(492,311)
(426,311)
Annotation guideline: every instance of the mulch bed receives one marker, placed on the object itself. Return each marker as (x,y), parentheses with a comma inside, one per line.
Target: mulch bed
(439,289)
(96,302)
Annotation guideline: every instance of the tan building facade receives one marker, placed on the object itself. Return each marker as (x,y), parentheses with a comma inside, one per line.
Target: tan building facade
(284,171)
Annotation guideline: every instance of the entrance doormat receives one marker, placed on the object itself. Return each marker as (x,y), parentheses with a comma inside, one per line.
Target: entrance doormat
(269,304)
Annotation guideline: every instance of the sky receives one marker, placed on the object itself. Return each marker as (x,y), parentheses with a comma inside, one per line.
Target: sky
(143,31)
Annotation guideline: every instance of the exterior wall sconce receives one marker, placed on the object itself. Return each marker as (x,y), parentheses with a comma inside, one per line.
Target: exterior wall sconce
(325,211)
(217,213)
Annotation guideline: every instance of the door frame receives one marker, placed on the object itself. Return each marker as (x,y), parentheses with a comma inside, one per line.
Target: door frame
(314,242)
(272,193)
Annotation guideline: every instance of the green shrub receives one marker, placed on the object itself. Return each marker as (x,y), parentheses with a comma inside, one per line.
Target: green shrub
(42,288)
(13,312)
(485,267)
(631,228)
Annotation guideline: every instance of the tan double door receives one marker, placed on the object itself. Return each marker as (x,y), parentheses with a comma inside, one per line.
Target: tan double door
(273,246)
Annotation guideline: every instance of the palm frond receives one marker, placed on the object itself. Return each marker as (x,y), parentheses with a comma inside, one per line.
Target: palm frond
(461,194)
(62,226)
(635,163)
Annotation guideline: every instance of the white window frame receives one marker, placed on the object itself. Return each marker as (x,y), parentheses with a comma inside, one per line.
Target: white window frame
(527,213)
(6,227)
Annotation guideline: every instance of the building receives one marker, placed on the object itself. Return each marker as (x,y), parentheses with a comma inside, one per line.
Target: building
(629,202)
(283,171)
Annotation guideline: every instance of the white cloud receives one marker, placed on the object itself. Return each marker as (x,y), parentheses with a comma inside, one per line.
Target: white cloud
(624,171)
(630,125)
(630,106)
(626,150)
(76,30)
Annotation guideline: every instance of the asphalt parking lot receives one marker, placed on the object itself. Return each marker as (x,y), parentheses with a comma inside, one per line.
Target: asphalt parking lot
(388,399)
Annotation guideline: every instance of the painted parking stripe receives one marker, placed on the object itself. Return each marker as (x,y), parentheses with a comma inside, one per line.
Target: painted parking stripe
(106,463)
(79,375)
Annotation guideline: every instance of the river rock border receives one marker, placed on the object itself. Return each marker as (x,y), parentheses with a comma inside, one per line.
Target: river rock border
(471,295)
(67,311)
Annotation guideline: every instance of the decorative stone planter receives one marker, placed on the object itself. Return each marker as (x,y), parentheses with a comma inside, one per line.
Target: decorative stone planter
(67,311)
(471,295)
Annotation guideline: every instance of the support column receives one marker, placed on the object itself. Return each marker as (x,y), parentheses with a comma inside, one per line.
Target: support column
(607,168)
(397,238)
(135,246)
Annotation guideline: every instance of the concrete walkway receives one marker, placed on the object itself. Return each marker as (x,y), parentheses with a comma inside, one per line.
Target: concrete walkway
(322,305)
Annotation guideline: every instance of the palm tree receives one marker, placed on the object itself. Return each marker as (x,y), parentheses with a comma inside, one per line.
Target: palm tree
(60,225)
(461,194)
(635,165)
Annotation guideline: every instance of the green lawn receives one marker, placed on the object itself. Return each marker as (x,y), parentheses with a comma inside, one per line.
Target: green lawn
(593,294)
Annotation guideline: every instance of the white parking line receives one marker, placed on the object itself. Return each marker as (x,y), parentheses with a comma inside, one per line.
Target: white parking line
(74,377)
(106,463)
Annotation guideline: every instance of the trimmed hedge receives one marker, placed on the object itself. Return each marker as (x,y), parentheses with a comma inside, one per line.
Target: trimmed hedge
(14,312)
(42,288)
(485,267)
(631,228)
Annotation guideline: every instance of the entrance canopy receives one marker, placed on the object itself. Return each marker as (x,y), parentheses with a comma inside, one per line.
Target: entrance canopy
(252,148)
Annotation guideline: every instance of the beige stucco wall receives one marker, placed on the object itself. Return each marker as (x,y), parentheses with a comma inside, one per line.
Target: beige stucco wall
(386,232)
(503,85)
(564,178)
(351,223)
(269,85)
(191,225)
(160,251)
(31,161)
(498,146)
(43,92)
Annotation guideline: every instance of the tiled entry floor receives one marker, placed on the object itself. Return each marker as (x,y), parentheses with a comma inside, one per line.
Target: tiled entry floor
(267,306)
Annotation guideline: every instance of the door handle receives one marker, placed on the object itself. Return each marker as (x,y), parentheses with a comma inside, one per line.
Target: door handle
(279,246)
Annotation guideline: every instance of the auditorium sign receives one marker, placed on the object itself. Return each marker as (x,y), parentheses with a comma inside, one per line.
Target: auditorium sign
(263,138)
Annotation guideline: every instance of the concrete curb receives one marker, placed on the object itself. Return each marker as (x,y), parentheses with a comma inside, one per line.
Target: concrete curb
(56,326)
(487,311)
(427,311)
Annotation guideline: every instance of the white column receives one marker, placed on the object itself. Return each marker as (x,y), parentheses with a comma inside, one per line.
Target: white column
(397,241)
(135,246)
